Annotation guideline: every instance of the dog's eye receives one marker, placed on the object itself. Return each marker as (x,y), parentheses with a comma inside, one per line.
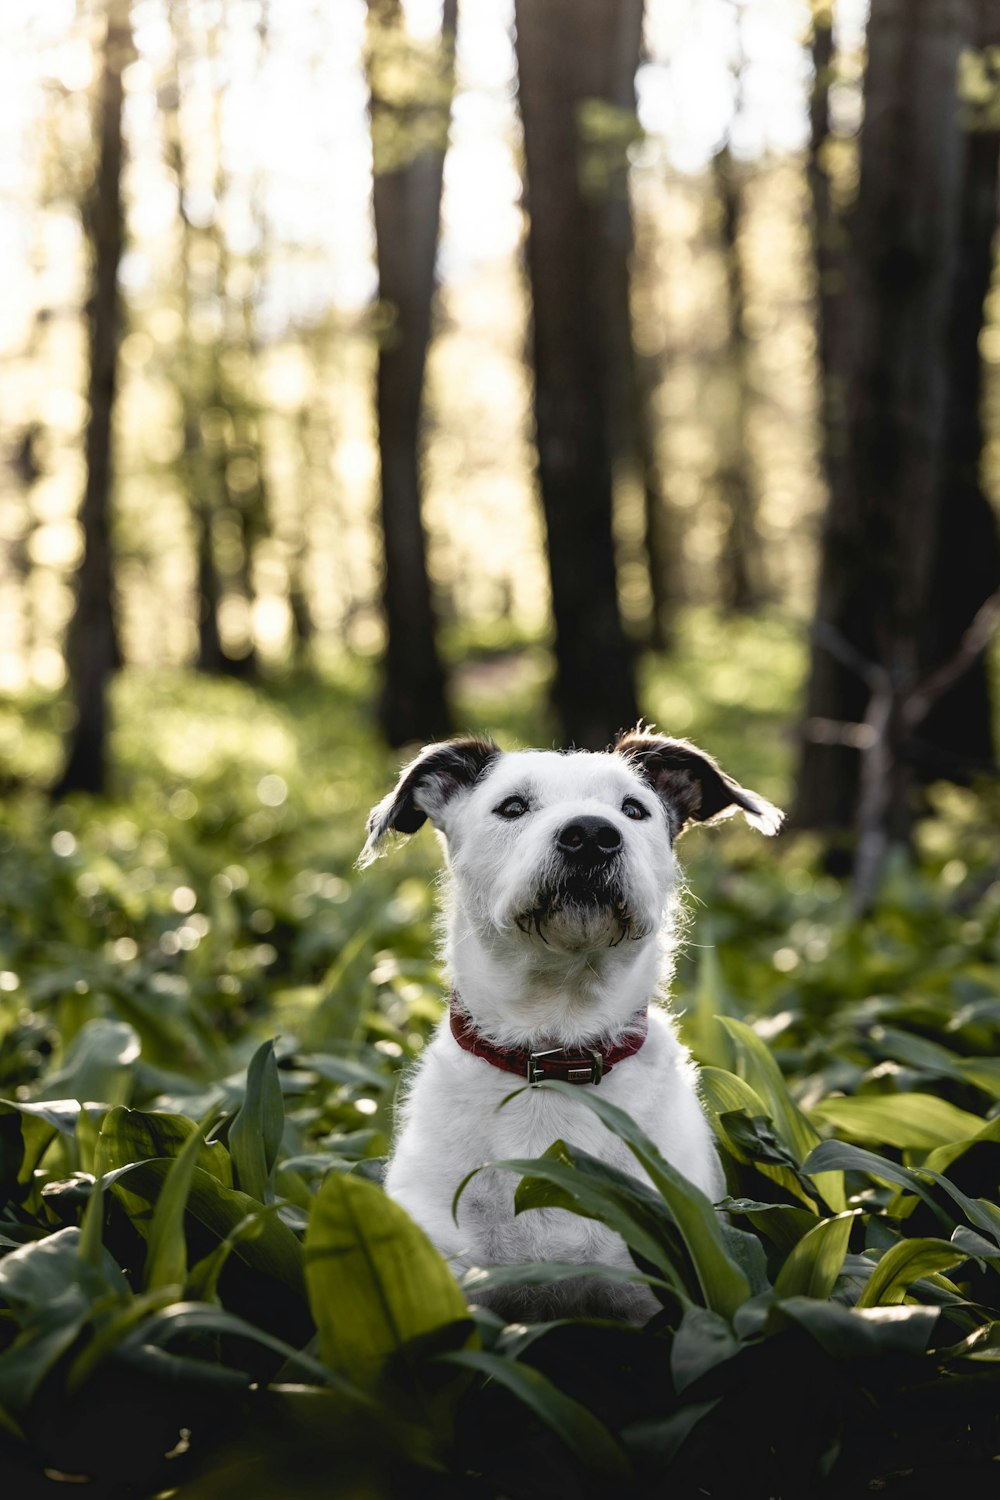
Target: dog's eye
(511,807)
(635,810)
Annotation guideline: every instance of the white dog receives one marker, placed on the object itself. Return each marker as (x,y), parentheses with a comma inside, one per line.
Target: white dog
(561,876)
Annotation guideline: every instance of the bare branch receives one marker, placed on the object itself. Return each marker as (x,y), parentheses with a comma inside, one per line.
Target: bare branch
(975,640)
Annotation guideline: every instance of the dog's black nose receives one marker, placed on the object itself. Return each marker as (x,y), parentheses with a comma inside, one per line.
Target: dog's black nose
(589,840)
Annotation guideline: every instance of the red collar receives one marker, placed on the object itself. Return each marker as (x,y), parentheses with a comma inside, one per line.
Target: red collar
(573,1065)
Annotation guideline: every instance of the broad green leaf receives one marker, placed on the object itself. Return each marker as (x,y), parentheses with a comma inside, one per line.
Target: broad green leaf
(852,1333)
(976,1245)
(99,1065)
(703,1341)
(54,1293)
(984,1072)
(758,1068)
(812,1268)
(847,1158)
(26,1132)
(203,1278)
(187,1317)
(722,1281)
(723,1092)
(275,1251)
(255,1133)
(942,1157)
(755,1140)
(133,1135)
(983,1215)
(578,1428)
(905,1263)
(782,1224)
(656,1443)
(375,1280)
(920,1121)
(569,1179)
(544,1272)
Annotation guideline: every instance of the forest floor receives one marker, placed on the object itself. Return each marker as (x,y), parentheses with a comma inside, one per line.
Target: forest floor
(206,918)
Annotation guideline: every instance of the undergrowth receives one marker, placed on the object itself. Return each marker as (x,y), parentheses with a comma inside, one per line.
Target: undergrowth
(204,1013)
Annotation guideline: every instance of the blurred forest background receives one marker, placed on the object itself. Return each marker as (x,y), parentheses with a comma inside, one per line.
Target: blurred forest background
(511,354)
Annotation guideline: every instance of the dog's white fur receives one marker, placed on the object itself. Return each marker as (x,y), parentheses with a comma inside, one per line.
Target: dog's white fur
(536,967)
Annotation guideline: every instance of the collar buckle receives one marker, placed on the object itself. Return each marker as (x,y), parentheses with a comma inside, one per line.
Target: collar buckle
(585,1067)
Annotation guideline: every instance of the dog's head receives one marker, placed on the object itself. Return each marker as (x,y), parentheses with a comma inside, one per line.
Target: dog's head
(573,850)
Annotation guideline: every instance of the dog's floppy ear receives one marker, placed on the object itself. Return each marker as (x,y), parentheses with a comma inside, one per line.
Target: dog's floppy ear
(424,786)
(692,784)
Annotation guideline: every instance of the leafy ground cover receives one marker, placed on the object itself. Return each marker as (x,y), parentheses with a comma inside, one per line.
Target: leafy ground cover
(204,1014)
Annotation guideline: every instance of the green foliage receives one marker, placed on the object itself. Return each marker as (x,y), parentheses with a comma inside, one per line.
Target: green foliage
(203,1018)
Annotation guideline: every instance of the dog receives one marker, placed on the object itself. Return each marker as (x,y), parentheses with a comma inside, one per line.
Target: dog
(560,903)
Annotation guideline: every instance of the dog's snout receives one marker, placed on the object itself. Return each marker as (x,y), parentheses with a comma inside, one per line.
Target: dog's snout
(589,840)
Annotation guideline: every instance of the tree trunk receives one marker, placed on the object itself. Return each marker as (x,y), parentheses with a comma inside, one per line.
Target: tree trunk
(567,53)
(956,738)
(409,138)
(92,650)
(882,527)
(741,564)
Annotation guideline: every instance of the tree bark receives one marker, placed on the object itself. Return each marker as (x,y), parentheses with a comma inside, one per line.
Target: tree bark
(956,739)
(409,137)
(883,524)
(741,564)
(568,53)
(92,650)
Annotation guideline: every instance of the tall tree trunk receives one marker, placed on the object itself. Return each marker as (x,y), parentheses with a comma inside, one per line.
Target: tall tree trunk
(567,53)
(409,137)
(632,431)
(956,738)
(92,650)
(741,563)
(828,236)
(883,522)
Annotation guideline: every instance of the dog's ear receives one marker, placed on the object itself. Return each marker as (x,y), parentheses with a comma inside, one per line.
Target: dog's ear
(692,784)
(424,787)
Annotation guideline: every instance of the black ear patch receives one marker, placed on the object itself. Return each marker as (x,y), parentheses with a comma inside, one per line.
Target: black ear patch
(437,773)
(692,784)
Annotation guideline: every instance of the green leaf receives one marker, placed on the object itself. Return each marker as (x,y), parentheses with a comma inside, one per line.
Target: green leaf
(255,1133)
(54,1294)
(812,1268)
(847,1158)
(723,1283)
(275,1251)
(722,1094)
(757,1067)
(166,1251)
(852,1333)
(26,1132)
(985,1216)
(570,1179)
(545,1272)
(375,1280)
(573,1424)
(133,1135)
(99,1065)
(919,1121)
(703,1341)
(187,1317)
(905,1263)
